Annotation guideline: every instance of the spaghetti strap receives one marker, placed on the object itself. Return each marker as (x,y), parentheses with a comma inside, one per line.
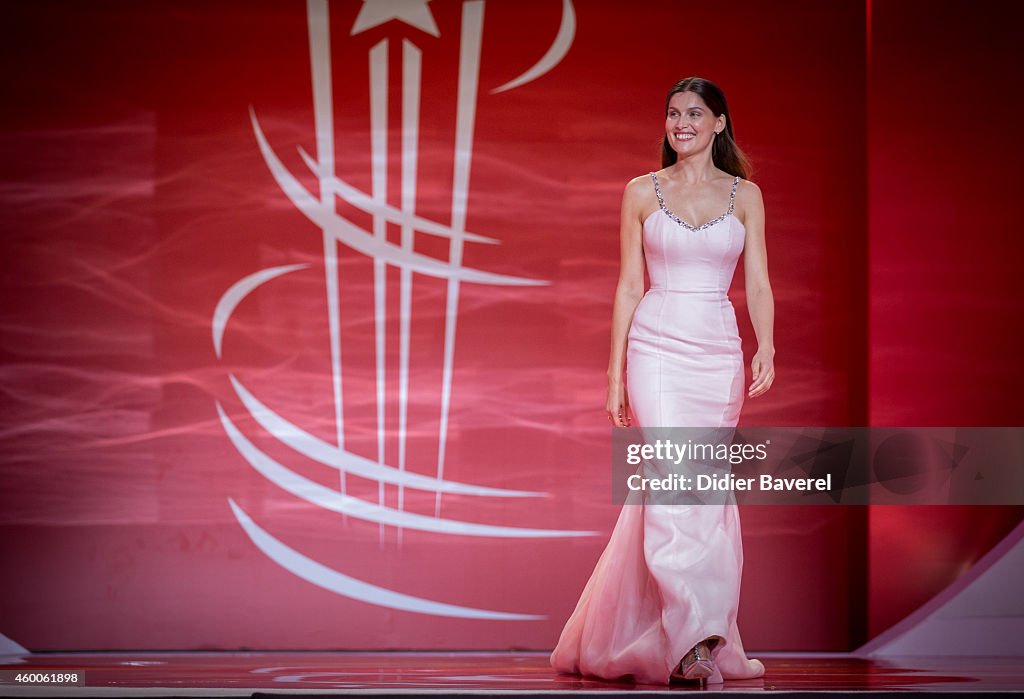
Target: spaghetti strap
(657,190)
(732,195)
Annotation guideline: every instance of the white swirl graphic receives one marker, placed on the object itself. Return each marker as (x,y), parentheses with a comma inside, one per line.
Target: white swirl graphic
(321,209)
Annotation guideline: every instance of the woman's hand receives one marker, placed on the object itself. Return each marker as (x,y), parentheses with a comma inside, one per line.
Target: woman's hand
(763,368)
(618,404)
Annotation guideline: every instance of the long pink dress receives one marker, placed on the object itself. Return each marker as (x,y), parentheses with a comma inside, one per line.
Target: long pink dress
(670,574)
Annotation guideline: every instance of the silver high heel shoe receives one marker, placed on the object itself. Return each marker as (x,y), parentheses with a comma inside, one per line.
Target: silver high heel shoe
(697,664)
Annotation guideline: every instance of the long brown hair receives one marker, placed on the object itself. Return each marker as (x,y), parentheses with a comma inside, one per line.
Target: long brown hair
(725,153)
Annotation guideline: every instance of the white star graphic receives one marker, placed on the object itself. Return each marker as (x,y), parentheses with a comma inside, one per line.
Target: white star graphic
(412,12)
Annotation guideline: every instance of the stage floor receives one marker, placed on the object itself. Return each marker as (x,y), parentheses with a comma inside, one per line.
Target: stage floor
(380,674)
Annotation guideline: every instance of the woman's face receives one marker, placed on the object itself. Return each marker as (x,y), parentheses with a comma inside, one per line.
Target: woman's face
(690,125)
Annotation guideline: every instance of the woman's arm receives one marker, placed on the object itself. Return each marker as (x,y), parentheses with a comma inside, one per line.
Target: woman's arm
(760,302)
(628,293)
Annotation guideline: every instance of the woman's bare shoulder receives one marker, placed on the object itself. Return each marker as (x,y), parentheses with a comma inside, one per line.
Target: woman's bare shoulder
(748,188)
(639,187)
(640,180)
(749,205)
(748,194)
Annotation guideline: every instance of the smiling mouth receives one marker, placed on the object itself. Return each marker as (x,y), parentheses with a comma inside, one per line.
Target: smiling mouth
(685,136)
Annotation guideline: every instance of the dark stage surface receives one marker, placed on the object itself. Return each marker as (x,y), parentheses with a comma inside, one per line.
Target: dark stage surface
(382,674)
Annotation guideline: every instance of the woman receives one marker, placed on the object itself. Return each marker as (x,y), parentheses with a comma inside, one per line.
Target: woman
(661,603)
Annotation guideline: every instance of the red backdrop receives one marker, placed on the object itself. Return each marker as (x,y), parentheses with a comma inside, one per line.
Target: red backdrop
(135,195)
(943,336)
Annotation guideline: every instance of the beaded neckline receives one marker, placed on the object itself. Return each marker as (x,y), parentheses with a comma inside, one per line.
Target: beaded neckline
(684,224)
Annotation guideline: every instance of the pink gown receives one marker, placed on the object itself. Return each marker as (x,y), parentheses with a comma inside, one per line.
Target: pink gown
(670,574)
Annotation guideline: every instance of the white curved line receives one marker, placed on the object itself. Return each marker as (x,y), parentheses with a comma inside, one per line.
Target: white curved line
(337,582)
(333,224)
(555,53)
(238,291)
(294,437)
(313,492)
(359,199)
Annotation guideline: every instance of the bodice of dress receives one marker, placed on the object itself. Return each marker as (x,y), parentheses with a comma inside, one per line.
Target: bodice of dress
(685,258)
